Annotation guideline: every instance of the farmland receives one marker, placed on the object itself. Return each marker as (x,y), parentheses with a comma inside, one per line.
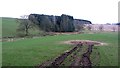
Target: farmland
(34,51)
(10,26)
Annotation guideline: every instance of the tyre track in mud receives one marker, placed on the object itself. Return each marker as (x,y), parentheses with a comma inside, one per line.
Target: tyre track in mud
(83,61)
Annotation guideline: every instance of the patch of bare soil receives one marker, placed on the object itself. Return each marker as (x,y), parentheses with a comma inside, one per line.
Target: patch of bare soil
(66,33)
(83,62)
(74,42)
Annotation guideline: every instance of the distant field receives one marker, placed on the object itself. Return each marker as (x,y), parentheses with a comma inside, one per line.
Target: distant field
(31,52)
(10,26)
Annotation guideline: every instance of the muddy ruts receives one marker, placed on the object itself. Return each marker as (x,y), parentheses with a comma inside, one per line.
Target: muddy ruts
(76,62)
(56,63)
(62,57)
(86,63)
(83,62)
(76,58)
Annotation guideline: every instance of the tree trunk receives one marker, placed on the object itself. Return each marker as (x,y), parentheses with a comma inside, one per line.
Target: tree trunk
(26,32)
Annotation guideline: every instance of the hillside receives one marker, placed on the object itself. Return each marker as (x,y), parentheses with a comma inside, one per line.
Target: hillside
(64,23)
(9,26)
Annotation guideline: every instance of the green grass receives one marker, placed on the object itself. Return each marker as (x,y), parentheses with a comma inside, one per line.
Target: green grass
(31,52)
(0,54)
(9,26)
(0,27)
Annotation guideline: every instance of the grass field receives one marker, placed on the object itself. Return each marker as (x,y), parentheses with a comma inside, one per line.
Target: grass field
(33,51)
(10,26)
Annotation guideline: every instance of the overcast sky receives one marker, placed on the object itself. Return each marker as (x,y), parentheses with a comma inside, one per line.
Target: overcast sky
(97,11)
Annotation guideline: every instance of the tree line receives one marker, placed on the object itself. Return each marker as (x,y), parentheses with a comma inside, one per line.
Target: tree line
(50,23)
(63,23)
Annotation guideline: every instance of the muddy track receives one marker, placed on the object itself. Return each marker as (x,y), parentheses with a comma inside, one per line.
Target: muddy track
(83,61)
(60,59)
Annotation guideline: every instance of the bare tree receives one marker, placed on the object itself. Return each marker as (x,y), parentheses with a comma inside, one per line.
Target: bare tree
(101,27)
(24,24)
(80,27)
(113,28)
(89,27)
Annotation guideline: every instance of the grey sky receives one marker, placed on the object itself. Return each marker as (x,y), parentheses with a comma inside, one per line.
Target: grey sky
(97,11)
